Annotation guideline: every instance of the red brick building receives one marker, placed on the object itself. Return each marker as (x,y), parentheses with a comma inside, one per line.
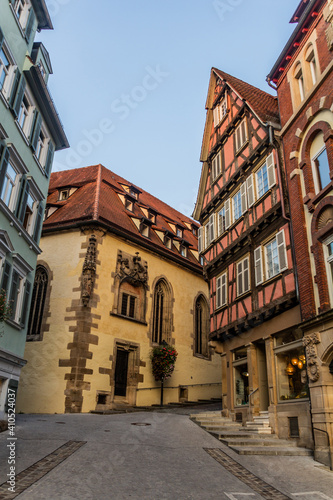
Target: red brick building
(245,243)
(304,80)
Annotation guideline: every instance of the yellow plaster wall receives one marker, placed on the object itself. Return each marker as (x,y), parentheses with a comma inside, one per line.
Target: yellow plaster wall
(61,252)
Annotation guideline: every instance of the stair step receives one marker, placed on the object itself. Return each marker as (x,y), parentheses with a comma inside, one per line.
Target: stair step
(266,450)
(258,442)
(246,435)
(264,423)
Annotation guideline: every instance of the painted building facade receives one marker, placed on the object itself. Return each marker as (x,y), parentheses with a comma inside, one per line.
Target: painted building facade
(118,275)
(246,245)
(304,81)
(30,132)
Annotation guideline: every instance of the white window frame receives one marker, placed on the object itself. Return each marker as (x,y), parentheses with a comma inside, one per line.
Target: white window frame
(262,271)
(37,197)
(211,231)
(42,146)
(11,204)
(241,201)
(5,90)
(241,135)
(22,18)
(220,111)
(221,290)
(269,165)
(329,265)
(243,271)
(29,112)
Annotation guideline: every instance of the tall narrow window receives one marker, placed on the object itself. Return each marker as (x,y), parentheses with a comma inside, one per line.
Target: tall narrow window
(38,303)
(320,164)
(201,326)
(310,57)
(243,276)
(161,324)
(300,81)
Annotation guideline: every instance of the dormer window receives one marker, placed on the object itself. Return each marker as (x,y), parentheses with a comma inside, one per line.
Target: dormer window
(195,230)
(64,195)
(183,250)
(179,232)
(168,241)
(152,216)
(145,227)
(129,204)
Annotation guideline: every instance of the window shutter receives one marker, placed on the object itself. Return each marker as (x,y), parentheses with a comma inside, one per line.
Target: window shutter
(26,301)
(270,170)
(221,222)
(19,96)
(239,278)
(218,292)
(49,159)
(38,222)
(243,197)
(23,198)
(3,165)
(250,190)
(223,289)
(211,224)
(5,276)
(244,131)
(200,235)
(216,116)
(15,83)
(227,214)
(30,24)
(258,266)
(14,292)
(36,132)
(282,250)
(246,275)
(1,38)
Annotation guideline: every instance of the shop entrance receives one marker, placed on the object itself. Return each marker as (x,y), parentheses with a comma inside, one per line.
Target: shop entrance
(262,375)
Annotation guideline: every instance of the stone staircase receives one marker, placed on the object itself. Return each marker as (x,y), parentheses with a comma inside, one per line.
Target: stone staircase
(255,438)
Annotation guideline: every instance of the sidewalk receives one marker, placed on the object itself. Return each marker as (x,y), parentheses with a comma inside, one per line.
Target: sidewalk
(146,455)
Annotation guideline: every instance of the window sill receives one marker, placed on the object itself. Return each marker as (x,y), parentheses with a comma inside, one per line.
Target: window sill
(134,320)
(14,324)
(243,146)
(24,137)
(272,279)
(245,294)
(201,356)
(19,228)
(293,401)
(4,100)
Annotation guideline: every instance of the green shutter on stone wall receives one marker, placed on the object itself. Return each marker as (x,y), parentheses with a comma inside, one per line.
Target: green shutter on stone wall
(14,292)
(4,158)
(5,276)
(19,96)
(26,301)
(36,132)
(1,38)
(39,222)
(49,159)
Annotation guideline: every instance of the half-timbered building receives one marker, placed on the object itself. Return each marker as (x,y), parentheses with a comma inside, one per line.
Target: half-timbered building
(245,244)
(303,78)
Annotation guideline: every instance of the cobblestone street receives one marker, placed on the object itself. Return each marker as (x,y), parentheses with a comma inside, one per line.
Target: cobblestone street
(146,455)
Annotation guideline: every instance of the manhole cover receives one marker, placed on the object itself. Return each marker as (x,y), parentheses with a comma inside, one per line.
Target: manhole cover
(143,424)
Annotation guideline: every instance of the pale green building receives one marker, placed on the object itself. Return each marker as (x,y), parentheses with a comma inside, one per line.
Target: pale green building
(30,132)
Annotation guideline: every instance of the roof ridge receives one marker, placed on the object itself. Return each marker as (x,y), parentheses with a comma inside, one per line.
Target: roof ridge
(227,75)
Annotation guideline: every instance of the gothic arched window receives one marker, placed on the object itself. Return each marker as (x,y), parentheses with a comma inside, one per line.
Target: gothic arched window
(161,329)
(201,324)
(38,303)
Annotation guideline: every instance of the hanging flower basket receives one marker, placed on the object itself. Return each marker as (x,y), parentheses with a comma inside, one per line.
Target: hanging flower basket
(163,358)
(5,310)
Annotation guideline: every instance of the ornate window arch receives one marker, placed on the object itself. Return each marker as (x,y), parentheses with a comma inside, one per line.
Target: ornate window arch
(38,303)
(201,326)
(162,312)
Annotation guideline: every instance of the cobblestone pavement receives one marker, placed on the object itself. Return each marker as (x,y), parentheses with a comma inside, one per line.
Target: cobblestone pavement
(146,455)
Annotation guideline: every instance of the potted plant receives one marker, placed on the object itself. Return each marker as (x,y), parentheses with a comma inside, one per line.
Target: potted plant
(163,358)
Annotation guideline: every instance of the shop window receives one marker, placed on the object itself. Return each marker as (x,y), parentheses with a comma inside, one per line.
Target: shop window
(292,380)
(241,377)
(201,326)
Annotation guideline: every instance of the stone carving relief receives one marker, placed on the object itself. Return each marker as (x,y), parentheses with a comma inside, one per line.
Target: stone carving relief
(309,342)
(132,269)
(328,16)
(89,271)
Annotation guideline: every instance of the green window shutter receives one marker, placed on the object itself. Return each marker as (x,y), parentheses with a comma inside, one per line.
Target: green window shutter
(22,200)
(26,302)
(19,96)
(39,222)
(14,292)
(1,38)
(36,132)
(15,84)
(4,158)
(5,276)
(30,24)
(49,159)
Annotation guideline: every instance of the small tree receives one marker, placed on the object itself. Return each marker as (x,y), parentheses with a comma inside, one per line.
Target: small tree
(163,358)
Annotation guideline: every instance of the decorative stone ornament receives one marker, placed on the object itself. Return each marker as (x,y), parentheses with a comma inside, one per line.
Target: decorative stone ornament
(89,271)
(309,342)
(328,16)
(132,269)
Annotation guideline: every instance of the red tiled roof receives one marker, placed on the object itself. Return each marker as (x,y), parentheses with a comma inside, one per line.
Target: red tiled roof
(97,199)
(263,104)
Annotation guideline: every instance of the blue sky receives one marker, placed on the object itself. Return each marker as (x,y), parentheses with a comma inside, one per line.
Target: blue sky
(131,77)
